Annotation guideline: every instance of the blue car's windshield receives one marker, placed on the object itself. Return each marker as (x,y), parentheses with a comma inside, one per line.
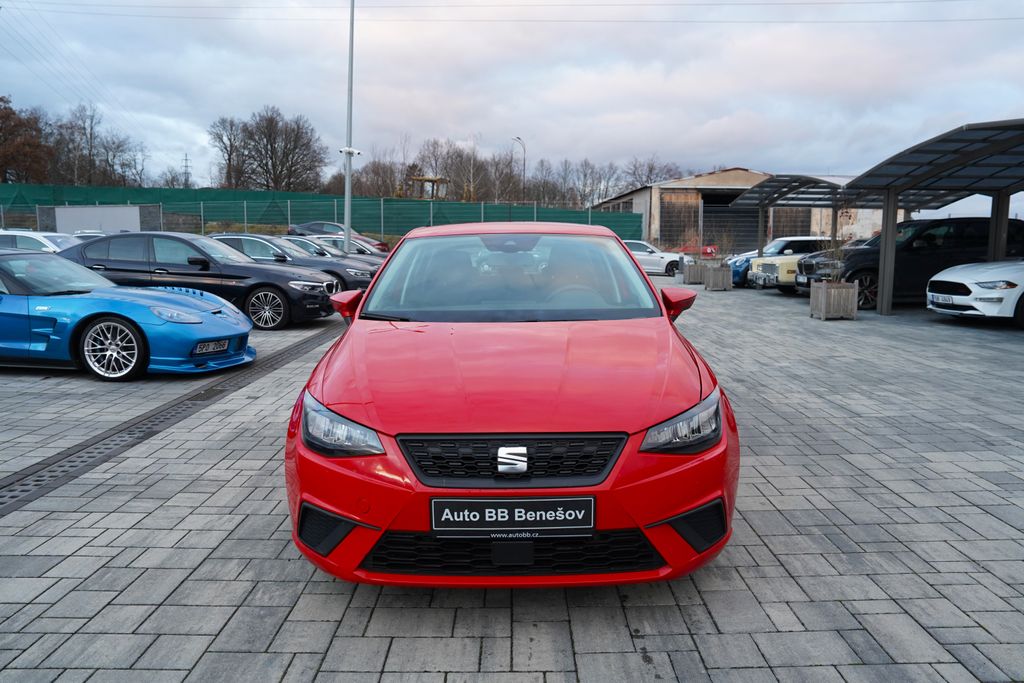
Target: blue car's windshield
(510,278)
(46,275)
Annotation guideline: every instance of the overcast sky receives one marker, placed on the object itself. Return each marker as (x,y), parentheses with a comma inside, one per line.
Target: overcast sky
(820,86)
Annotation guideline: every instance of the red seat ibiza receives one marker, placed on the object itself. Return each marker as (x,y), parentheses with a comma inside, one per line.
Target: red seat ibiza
(511,406)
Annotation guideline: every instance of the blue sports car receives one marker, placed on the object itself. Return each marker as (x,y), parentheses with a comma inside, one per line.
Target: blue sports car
(57,313)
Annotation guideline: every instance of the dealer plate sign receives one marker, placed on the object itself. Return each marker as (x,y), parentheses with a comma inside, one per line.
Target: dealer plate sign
(512,517)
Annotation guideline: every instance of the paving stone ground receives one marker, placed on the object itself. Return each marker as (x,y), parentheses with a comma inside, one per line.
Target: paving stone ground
(879,537)
(42,412)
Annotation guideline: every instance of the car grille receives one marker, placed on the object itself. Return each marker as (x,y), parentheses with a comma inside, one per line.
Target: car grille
(331,287)
(805,267)
(399,552)
(953,307)
(770,268)
(945,287)
(471,461)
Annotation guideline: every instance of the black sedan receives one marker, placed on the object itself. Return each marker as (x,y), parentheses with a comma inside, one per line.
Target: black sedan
(271,295)
(351,272)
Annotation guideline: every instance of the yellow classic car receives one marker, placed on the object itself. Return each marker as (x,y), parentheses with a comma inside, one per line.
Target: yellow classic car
(780,271)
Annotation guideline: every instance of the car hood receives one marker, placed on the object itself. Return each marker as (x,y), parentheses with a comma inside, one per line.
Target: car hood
(981,272)
(183,299)
(275,270)
(610,376)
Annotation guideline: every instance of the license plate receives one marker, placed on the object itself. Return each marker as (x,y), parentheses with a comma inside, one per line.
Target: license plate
(512,518)
(801,279)
(212,347)
(942,299)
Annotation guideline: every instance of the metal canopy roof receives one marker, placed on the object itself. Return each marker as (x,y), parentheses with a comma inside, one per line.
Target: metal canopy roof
(792,190)
(975,158)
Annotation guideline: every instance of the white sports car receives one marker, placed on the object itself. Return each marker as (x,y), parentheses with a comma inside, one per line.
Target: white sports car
(656,261)
(980,290)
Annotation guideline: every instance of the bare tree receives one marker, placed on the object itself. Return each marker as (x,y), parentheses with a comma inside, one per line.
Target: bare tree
(226,136)
(643,172)
(283,154)
(24,156)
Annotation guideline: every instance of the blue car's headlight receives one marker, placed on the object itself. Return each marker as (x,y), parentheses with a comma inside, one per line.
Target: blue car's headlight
(696,430)
(330,434)
(173,315)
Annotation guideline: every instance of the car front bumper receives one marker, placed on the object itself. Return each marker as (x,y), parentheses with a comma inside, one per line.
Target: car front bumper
(309,305)
(173,346)
(643,496)
(980,303)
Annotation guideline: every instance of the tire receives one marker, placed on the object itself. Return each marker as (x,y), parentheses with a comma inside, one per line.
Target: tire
(113,349)
(1018,314)
(672,268)
(867,288)
(267,307)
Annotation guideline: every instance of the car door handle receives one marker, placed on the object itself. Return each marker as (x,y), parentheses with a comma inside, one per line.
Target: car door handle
(160,271)
(98,266)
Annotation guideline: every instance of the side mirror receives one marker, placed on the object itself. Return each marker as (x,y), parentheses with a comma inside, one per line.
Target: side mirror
(651,251)
(347,302)
(321,252)
(788,252)
(279,257)
(203,263)
(677,300)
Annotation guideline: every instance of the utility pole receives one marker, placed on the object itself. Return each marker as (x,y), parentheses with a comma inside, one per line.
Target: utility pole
(520,141)
(348,151)
(186,170)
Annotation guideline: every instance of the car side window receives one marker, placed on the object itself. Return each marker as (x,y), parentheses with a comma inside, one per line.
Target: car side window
(98,249)
(6,240)
(934,237)
(127,249)
(973,235)
(172,251)
(3,286)
(28,242)
(636,247)
(257,248)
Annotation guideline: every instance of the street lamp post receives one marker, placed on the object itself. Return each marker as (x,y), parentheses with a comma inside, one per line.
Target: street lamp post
(348,151)
(520,141)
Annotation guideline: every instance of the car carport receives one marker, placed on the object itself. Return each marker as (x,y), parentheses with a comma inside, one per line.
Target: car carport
(978,158)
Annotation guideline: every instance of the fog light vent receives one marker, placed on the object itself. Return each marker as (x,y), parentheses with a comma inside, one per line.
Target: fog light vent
(703,527)
(321,530)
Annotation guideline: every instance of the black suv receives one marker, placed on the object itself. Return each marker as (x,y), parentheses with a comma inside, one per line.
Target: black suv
(271,295)
(351,272)
(923,248)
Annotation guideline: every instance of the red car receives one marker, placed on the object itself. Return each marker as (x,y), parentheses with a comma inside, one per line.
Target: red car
(511,406)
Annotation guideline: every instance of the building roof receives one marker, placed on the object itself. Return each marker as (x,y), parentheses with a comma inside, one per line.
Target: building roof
(793,190)
(735,178)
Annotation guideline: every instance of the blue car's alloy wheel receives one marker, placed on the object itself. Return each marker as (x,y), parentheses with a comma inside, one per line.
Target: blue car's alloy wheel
(113,349)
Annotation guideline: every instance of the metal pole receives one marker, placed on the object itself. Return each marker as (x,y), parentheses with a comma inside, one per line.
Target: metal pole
(245,215)
(999,226)
(348,151)
(520,141)
(482,212)
(590,215)
(431,203)
(760,231)
(381,219)
(202,219)
(887,257)
(2,223)
(535,212)
(835,225)
(161,217)
(335,210)
(289,212)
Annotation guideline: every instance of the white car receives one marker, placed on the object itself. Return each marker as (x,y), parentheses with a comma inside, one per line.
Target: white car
(50,242)
(654,260)
(980,290)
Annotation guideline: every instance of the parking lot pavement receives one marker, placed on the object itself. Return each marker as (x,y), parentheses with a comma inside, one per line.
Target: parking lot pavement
(43,412)
(879,537)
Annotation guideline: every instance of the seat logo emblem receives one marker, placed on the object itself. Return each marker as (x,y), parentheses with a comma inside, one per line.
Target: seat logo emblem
(512,460)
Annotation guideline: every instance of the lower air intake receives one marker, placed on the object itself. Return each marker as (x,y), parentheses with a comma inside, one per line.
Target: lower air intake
(321,530)
(702,527)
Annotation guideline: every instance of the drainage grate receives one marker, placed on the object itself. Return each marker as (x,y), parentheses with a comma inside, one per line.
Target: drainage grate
(34,481)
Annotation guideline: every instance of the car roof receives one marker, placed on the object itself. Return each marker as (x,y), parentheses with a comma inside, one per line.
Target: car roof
(33,232)
(799,238)
(12,251)
(524,228)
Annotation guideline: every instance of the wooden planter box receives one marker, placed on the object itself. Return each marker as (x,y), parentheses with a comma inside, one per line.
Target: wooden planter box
(719,279)
(693,274)
(834,300)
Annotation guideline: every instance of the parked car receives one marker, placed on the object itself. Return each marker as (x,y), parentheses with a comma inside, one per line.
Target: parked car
(655,261)
(89,234)
(923,248)
(779,271)
(315,245)
(740,263)
(57,313)
(571,382)
(349,271)
(271,295)
(50,242)
(980,290)
(329,228)
(357,248)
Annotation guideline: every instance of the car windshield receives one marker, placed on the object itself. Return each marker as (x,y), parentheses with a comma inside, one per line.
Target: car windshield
(904,231)
(221,252)
(510,278)
(774,248)
(64,241)
(45,275)
(289,248)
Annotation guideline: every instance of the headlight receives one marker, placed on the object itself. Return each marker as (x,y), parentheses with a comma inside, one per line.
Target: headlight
(997,284)
(692,432)
(330,434)
(173,315)
(304,286)
(358,273)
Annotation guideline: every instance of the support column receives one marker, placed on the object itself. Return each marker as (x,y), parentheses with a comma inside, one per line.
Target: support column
(760,231)
(999,226)
(887,257)
(835,224)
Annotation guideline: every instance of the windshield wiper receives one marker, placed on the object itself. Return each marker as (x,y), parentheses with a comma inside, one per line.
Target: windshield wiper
(381,316)
(68,291)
